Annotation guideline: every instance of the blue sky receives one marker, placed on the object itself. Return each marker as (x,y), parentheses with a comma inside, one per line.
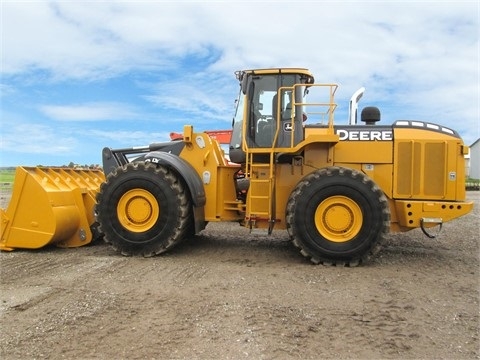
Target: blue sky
(80,75)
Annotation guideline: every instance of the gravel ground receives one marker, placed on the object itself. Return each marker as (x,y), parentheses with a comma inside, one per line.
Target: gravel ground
(228,294)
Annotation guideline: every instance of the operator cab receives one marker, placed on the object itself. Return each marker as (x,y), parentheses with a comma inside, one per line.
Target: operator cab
(264,105)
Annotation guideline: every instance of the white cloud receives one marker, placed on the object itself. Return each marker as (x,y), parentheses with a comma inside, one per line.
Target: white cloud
(340,41)
(32,138)
(202,96)
(81,40)
(89,112)
(112,138)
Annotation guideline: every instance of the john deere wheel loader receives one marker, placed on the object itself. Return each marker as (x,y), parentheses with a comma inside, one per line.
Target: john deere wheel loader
(337,189)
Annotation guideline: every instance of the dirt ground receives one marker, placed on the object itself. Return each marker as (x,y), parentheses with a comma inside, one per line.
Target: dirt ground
(228,294)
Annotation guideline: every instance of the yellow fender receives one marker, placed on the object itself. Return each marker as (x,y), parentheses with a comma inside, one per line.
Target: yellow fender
(50,206)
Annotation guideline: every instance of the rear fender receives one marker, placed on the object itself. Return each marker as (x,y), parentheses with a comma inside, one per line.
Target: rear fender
(185,171)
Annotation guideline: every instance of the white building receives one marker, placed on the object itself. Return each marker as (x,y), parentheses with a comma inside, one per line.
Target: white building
(473,161)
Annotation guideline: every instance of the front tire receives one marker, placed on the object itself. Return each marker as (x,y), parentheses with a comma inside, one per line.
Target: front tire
(143,209)
(337,216)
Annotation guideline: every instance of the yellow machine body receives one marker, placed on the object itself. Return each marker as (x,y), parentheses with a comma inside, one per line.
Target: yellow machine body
(423,178)
(50,206)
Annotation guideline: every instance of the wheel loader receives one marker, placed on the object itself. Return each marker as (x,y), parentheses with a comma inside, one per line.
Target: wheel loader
(338,190)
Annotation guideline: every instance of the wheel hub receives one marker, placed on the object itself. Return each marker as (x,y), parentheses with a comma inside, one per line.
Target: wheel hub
(338,218)
(138,210)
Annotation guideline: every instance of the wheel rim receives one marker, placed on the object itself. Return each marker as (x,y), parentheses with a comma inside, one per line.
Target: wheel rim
(338,218)
(138,210)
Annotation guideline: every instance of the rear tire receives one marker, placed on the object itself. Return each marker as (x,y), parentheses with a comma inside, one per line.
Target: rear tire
(337,216)
(143,209)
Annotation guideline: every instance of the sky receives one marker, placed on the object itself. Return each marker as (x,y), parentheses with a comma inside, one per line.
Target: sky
(77,76)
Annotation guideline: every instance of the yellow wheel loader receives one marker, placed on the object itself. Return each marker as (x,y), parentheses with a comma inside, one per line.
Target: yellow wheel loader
(337,189)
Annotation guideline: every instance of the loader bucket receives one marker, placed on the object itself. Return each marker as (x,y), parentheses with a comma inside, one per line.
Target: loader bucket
(50,206)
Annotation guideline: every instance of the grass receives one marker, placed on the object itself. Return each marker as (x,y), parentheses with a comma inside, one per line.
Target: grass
(7,176)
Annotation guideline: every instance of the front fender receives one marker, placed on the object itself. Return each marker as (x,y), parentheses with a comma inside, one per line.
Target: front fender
(183,170)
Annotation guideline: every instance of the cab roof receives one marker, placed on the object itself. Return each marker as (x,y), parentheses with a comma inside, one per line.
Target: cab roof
(279,71)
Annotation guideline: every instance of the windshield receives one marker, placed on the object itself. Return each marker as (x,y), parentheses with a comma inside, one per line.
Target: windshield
(236,140)
(268,108)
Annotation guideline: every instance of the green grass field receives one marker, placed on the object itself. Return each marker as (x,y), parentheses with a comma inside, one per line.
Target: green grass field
(7,175)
